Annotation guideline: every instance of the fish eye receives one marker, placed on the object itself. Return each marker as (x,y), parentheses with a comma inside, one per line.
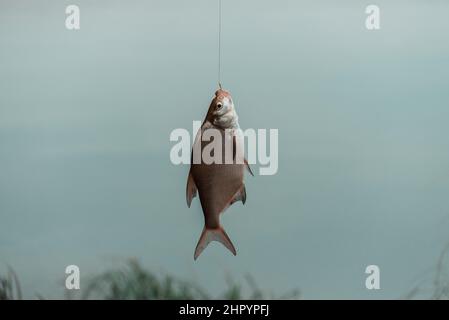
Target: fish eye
(219,105)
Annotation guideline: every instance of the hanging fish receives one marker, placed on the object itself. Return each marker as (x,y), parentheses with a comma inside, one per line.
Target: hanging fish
(219,185)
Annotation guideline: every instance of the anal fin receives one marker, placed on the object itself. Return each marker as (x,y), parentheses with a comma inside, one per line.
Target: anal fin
(239,196)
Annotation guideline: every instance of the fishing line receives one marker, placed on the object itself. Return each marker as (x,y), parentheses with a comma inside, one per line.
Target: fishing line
(219,44)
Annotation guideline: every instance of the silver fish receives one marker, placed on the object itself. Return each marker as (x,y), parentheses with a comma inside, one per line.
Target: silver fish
(219,185)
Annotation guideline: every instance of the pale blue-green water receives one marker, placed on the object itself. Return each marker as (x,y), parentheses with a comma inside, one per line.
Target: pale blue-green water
(363,119)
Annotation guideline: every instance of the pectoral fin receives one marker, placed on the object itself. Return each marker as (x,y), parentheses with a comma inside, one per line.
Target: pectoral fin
(234,153)
(234,147)
(191,190)
(247,167)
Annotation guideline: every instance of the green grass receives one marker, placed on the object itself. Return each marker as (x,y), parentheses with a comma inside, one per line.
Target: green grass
(133,282)
(10,286)
(437,286)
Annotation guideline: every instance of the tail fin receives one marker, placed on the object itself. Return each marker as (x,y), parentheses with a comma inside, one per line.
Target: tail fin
(209,235)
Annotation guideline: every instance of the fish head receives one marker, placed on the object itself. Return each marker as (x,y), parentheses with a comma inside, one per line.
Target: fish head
(222,111)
